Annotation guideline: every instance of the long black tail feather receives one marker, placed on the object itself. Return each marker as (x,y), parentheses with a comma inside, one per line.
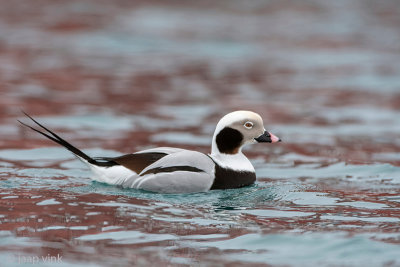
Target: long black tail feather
(57,139)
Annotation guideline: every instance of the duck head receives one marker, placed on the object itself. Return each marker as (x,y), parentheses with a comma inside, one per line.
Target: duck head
(237,129)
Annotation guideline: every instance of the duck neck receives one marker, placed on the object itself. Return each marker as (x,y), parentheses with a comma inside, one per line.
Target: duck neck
(237,161)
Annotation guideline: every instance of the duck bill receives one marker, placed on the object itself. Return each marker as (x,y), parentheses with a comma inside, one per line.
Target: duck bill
(268,137)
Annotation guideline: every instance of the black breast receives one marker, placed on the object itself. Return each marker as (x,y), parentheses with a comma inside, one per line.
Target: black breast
(229,179)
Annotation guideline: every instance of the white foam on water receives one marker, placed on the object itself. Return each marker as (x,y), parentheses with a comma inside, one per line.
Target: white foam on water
(276,213)
(127,237)
(46,202)
(310,198)
(358,218)
(363,205)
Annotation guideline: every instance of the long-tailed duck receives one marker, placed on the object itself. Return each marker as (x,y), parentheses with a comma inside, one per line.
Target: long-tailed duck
(175,170)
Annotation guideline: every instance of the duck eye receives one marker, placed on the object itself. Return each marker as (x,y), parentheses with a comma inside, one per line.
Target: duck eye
(248,125)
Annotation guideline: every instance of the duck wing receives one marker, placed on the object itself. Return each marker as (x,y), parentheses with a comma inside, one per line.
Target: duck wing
(140,160)
(181,172)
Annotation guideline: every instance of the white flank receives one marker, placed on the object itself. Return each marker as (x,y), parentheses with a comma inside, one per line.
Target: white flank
(114,175)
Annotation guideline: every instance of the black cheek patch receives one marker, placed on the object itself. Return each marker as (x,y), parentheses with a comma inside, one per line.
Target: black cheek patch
(229,140)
